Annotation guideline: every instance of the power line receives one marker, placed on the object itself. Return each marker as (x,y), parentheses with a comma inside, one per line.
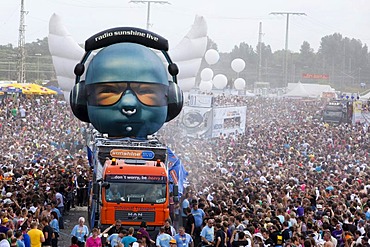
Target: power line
(286,41)
(148,11)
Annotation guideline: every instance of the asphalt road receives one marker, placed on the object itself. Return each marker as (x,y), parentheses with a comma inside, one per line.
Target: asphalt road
(70,220)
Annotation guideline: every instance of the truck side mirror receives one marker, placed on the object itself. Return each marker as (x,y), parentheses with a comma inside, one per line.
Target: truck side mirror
(105,185)
(175,193)
(95,188)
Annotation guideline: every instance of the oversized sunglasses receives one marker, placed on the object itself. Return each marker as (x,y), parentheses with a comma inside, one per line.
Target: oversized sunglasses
(107,94)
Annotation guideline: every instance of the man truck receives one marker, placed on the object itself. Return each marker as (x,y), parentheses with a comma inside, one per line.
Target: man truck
(130,182)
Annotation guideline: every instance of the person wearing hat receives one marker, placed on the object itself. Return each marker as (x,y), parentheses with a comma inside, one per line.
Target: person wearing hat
(173,243)
(258,239)
(3,226)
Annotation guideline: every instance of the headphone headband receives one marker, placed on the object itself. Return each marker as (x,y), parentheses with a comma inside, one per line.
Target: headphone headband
(126,34)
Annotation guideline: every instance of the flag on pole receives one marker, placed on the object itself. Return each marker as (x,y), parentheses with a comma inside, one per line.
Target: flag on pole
(176,170)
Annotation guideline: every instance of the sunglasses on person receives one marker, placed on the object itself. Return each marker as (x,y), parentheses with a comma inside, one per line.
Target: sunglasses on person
(109,93)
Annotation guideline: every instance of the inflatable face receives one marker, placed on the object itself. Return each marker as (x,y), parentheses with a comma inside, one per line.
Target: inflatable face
(127,88)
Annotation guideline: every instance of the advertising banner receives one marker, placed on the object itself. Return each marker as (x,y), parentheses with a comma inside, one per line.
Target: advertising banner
(229,120)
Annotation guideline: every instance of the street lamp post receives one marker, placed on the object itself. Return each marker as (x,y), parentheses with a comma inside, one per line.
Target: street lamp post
(38,65)
(148,10)
(359,76)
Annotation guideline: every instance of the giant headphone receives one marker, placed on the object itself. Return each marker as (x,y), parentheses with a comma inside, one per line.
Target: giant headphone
(78,96)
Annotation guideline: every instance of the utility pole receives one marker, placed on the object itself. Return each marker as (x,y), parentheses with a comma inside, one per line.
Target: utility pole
(21,50)
(260,52)
(148,11)
(286,42)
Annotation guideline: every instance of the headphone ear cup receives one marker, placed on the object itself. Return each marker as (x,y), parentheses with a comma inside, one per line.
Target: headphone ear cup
(175,101)
(77,100)
(79,69)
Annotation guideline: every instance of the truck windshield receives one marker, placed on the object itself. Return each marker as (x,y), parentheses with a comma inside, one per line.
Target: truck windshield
(136,192)
(336,114)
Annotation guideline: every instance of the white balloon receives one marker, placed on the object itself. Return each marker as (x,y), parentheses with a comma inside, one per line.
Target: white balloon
(205,86)
(239,84)
(238,65)
(206,74)
(220,81)
(212,56)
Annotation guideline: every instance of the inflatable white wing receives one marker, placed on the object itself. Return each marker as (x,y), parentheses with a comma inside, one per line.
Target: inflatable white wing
(66,53)
(188,54)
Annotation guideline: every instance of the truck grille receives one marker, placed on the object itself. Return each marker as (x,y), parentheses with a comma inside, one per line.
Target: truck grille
(134,216)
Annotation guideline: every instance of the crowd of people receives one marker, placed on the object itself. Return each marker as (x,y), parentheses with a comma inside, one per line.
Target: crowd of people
(41,166)
(289,180)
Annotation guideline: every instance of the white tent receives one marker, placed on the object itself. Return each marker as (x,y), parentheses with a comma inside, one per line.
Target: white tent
(365,97)
(297,92)
(249,94)
(314,90)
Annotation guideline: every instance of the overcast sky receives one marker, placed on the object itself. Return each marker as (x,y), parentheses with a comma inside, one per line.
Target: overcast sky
(229,22)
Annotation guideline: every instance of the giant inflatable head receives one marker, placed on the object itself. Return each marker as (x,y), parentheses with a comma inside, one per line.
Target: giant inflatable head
(126,92)
(127,89)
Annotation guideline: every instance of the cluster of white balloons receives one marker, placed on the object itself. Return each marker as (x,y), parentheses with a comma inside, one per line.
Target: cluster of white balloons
(238,65)
(206,75)
(219,81)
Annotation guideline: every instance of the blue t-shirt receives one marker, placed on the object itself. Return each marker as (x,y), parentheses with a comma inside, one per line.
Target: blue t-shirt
(184,240)
(114,239)
(127,240)
(208,233)
(367,214)
(163,240)
(55,225)
(26,240)
(198,216)
(80,232)
(20,243)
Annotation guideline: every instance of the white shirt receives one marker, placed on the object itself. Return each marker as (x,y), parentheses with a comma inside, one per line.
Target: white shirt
(4,243)
(60,197)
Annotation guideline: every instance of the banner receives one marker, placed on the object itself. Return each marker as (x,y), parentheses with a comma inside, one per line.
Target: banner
(360,115)
(315,76)
(197,121)
(229,120)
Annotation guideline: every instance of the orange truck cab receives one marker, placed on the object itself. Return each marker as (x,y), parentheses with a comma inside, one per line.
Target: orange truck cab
(132,185)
